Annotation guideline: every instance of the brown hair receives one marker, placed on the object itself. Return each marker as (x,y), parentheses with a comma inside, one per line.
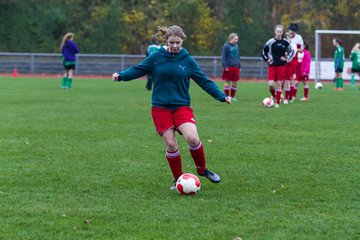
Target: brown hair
(66,38)
(231,36)
(174,30)
(338,41)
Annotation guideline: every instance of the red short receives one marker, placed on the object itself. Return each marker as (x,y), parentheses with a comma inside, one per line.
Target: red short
(276,73)
(291,69)
(233,74)
(165,119)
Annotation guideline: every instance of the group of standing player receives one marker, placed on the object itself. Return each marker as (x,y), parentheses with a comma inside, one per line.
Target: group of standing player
(289,63)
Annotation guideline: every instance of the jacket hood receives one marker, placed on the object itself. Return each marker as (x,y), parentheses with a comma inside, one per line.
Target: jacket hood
(180,55)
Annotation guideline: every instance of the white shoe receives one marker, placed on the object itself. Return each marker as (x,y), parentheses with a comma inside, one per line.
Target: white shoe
(304,99)
(293,99)
(286,101)
(173,186)
(276,105)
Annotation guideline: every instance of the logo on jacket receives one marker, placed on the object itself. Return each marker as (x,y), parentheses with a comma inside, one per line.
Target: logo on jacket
(182,67)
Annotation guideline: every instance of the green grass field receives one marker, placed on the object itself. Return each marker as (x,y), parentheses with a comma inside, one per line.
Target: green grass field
(88,164)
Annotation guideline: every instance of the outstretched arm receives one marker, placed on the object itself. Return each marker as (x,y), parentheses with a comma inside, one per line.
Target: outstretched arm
(135,72)
(206,84)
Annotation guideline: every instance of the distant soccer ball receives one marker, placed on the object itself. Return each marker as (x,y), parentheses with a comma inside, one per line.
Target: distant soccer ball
(188,184)
(268,102)
(319,86)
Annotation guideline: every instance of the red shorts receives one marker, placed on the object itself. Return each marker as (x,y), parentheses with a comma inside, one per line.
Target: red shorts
(165,119)
(233,74)
(276,73)
(291,69)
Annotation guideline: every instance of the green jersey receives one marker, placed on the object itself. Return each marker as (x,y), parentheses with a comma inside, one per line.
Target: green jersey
(355,58)
(339,57)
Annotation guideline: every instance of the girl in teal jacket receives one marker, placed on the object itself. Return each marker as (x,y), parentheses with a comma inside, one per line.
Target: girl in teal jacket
(171,69)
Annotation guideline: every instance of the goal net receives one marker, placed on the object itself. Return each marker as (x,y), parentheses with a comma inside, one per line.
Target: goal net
(324,52)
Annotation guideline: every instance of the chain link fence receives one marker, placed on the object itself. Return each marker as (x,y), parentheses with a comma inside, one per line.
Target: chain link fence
(106,64)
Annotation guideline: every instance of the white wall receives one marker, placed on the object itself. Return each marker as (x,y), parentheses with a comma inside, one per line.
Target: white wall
(327,70)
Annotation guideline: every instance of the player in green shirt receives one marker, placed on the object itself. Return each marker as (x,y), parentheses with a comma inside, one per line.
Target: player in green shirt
(355,58)
(339,58)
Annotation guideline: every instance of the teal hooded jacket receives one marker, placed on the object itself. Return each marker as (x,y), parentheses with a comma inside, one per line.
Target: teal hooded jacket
(171,73)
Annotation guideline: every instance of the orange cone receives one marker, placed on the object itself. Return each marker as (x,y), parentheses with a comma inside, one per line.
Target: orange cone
(15,74)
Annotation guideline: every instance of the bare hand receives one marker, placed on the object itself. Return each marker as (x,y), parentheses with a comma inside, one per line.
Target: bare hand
(283,58)
(228,100)
(115,77)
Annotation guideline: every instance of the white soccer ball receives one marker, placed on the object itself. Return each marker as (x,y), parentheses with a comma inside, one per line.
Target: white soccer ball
(188,184)
(319,86)
(268,102)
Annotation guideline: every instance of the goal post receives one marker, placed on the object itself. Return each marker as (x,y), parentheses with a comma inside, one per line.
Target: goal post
(318,34)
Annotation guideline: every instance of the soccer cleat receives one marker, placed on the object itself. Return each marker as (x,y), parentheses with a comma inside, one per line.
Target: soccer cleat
(304,99)
(213,177)
(292,100)
(286,101)
(276,105)
(173,186)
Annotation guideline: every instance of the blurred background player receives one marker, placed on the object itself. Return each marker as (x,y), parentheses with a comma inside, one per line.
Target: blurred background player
(304,71)
(152,48)
(277,52)
(339,58)
(355,59)
(69,50)
(171,68)
(230,57)
(293,67)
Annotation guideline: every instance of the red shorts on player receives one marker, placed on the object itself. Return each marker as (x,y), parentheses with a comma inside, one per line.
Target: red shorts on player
(165,119)
(276,73)
(291,69)
(233,74)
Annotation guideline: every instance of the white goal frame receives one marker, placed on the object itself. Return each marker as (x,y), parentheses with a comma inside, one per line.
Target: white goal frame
(318,47)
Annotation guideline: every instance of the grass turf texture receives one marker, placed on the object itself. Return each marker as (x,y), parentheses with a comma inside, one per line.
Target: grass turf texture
(87,164)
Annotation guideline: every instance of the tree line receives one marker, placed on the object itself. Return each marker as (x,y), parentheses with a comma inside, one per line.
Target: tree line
(125,26)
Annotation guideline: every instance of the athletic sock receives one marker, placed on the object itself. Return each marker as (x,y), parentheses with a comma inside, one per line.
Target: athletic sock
(69,82)
(337,82)
(63,82)
(272,91)
(233,91)
(341,82)
(198,155)
(306,92)
(174,160)
(287,93)
(291,91)
(352,80)
(227,90)
(278,95)
(295,91)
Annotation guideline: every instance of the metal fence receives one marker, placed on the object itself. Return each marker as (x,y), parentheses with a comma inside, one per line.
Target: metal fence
(105,64)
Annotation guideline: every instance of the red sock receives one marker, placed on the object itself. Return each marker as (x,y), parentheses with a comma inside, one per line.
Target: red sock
(174,160)
(227,91)
(291,91)
(272,91)
(278,95)
(233,91)
(197,153)
(287,93)
(295,91)
(306,92)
